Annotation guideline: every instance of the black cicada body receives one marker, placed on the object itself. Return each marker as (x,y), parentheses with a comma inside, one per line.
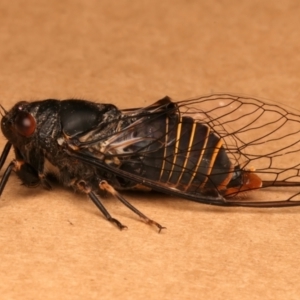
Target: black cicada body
(211,149)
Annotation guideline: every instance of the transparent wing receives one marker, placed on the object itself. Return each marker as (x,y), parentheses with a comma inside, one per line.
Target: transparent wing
(160,146)
(257,135)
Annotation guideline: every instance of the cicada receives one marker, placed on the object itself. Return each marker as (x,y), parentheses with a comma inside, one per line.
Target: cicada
(219,149)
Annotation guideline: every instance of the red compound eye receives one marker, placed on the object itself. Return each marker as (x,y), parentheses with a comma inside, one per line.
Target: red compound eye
(25,123)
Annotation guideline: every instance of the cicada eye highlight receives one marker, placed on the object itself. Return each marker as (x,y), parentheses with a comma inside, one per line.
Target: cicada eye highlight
(25,123)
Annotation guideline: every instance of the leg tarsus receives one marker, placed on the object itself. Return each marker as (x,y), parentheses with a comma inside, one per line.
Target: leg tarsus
(151,222)
(118,223)
(104,211)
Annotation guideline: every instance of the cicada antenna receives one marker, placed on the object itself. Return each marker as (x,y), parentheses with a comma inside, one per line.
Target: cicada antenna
(4,110)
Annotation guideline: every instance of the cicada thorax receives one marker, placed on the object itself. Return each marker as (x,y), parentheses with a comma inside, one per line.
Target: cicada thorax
(185,154)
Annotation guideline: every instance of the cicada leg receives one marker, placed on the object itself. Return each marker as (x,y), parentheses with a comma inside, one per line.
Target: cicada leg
(4,154)
(107,187)
(107,215)
(84,187)
(8,169)
(24,171)
(5,176)
(103,185)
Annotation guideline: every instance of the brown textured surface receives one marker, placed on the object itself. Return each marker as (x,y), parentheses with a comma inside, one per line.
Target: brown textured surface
(55,245)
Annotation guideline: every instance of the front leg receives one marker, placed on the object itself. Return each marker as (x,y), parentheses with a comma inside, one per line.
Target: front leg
(28,175)
(24,171)
(31,174)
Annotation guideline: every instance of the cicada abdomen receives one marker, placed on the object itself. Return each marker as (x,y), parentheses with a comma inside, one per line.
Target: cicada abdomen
(197,161)
(177,151)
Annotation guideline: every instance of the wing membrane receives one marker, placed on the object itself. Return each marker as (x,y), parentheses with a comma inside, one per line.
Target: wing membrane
(157,147)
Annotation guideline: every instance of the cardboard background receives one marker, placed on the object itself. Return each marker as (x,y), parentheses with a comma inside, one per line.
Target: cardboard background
(56,245)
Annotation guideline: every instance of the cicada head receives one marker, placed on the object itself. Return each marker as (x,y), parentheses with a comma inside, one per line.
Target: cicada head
(18,123)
